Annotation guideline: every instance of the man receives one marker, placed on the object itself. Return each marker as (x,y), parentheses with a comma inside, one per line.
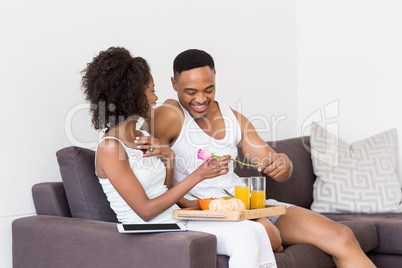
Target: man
(194,120)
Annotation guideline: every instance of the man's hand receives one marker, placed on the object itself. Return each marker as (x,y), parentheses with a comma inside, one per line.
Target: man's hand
(275,165)
(155,149)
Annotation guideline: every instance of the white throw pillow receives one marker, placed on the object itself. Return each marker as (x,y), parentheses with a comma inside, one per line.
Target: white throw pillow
(356,178)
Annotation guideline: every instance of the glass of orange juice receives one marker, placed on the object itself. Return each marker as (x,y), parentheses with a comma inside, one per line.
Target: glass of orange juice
(257,192)
(242,190)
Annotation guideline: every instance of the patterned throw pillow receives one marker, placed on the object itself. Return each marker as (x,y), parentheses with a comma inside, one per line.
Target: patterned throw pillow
(355,178)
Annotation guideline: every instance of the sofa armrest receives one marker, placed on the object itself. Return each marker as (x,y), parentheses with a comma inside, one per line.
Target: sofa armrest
(49,241)
(50,199)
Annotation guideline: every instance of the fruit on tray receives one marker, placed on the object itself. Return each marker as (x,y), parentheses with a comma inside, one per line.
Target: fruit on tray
(221,204)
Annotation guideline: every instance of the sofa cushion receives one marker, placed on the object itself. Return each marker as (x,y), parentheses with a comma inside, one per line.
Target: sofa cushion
(303,256)
(360,177)
(389,229)
(298,189)
(365,232)
(84,193)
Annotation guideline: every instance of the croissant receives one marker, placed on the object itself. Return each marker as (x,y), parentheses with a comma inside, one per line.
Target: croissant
(217,204)
(233,204)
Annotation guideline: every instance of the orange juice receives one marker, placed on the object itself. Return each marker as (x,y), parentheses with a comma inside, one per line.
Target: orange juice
(257,199)
(243,193)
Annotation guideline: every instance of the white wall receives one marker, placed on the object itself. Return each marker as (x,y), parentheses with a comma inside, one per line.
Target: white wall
(349,56)
(45,44)
(348,60)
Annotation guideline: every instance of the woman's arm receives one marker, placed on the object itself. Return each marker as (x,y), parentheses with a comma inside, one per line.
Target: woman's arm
(169,173)
(163,151)
(185,203)
(113,162)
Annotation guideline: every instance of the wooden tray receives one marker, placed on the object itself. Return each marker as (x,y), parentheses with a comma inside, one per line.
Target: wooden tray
(199,214)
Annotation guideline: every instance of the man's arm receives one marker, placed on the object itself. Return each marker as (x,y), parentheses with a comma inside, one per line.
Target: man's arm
(165,127)
(167,123)
(276,165)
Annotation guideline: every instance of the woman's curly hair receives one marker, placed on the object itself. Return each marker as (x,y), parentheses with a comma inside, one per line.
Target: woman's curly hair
(114,83)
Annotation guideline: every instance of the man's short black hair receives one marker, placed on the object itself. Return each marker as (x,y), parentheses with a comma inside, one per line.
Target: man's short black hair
(191,59)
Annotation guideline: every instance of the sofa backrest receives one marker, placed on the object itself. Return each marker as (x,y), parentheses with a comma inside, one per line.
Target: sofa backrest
(83,190)
(298,189)
(88,201)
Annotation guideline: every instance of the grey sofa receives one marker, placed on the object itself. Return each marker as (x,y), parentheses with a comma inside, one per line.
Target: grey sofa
(75,227)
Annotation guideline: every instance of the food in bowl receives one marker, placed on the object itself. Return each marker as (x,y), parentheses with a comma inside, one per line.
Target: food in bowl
(204,203)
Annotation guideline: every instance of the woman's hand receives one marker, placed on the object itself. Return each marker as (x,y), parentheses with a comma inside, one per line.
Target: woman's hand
(215,167)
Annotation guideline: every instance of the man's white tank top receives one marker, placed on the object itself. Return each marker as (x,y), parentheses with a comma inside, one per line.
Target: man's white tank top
(192,138)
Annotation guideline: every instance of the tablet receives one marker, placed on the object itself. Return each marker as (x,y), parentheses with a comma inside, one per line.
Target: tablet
(150,227)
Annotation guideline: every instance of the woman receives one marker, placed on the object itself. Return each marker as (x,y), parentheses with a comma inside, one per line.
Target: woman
(134,170)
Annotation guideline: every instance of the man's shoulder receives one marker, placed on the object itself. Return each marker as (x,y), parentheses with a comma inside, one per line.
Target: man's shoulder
(168,120)
(237,114)
(241,119)
(170,109)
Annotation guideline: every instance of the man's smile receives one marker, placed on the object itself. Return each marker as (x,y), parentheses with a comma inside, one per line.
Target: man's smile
(200,108)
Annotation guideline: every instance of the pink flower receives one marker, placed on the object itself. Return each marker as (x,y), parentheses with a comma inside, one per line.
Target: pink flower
(206,155)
